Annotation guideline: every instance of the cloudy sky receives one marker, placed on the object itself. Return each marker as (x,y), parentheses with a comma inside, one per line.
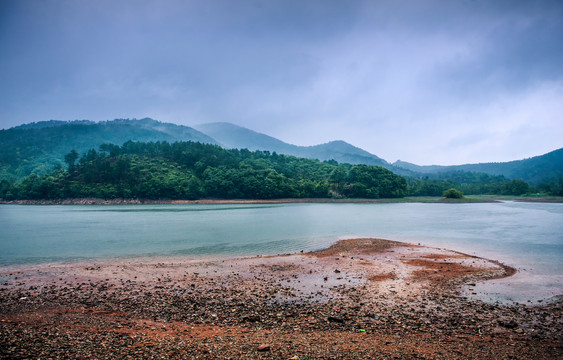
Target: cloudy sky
(429,82)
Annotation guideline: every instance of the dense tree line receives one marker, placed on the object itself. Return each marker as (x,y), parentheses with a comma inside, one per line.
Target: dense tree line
(468,183)
(554,187)
(188,170)
(544,169)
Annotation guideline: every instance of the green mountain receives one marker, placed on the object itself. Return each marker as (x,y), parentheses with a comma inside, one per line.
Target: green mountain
(236,137)
(546,168)
(535,170)
(40,147)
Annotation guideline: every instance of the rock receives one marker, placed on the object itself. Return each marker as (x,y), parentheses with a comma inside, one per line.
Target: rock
(335,319)
(509,324)
(251,318)
(337,271)
(498,331)
(263,347)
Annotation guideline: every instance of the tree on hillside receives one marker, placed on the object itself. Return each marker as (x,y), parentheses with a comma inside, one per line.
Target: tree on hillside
(71,158)
(374,182)
(515,187)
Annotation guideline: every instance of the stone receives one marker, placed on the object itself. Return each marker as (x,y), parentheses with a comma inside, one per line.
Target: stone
(335,319)
(509,324)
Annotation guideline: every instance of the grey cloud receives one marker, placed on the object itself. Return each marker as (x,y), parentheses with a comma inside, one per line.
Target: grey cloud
(306,71)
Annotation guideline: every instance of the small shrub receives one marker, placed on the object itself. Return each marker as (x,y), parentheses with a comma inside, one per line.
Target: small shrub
(453,194)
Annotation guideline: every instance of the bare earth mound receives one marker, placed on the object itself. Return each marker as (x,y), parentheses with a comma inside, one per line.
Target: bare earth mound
(360,298)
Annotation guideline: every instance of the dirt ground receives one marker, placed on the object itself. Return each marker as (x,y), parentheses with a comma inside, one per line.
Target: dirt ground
(360,298)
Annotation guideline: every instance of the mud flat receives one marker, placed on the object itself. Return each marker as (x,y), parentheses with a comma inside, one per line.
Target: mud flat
(360,298)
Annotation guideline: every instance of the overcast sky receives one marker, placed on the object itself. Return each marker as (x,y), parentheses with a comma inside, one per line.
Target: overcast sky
(429,82)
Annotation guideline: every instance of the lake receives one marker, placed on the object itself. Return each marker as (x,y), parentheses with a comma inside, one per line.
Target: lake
(528,236)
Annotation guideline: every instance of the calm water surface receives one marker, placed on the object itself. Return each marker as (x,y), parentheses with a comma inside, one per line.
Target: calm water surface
(528,236)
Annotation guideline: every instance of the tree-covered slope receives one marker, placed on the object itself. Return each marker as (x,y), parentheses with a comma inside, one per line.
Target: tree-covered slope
(188,170)
(40,147)
(236,137)
(535,170)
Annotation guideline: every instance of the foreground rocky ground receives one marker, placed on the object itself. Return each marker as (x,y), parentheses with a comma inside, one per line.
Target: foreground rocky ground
(361,298)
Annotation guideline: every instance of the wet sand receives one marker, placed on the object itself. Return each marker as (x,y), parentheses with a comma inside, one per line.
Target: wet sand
(360,298)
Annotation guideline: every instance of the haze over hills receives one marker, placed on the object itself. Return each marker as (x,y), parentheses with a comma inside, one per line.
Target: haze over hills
(236,137)
(117,130)
(546,167)
(39,147)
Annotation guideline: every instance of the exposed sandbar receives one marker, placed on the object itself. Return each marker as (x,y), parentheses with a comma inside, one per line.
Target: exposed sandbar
(360,298)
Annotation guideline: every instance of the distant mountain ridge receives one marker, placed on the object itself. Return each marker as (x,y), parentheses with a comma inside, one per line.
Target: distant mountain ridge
(52,123)
(39,147)
(542,168)
(236,137)
(131,129)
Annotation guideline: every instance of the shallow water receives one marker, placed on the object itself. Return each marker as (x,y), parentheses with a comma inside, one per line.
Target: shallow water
(528,236)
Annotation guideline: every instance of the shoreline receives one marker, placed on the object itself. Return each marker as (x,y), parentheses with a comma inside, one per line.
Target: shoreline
(410,199)
(359,298)
(98,201)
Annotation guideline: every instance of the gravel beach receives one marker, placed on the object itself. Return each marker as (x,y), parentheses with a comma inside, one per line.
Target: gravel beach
(360,298)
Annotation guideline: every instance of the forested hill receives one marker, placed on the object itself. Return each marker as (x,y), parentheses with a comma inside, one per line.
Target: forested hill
(546,168)
(535,170)
(188,170)
(40,147)
(232,136)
